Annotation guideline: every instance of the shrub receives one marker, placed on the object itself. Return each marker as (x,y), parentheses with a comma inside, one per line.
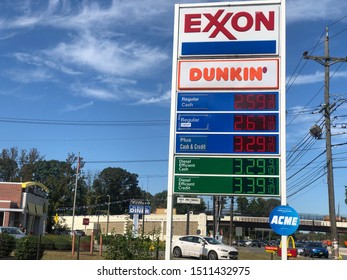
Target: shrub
(29,248)
(128,247)
(7,245)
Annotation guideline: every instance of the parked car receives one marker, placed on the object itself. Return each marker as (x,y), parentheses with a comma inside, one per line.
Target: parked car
(241,243)
(315,249)
(300,247)
(14,231)
(78,232)
(256,243)
(209,247)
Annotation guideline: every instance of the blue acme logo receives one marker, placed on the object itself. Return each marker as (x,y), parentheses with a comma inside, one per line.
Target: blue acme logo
(284,220)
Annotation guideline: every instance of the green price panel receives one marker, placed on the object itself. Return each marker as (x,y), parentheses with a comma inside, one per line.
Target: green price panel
(227,185)
(227,166)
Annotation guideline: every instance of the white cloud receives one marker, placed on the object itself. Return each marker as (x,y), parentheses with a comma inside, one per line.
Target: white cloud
(312,10)
(163,99)
(28,76)
(107,56)
(70,107)
(97,93)
(317,77)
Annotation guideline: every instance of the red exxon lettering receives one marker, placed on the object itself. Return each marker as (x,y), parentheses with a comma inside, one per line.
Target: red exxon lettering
(225,24)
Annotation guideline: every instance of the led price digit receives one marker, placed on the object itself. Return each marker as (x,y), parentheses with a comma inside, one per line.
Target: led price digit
(250,101)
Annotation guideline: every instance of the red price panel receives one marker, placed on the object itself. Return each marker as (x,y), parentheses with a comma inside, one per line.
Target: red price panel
(255,122)
(255,101)
(255,144)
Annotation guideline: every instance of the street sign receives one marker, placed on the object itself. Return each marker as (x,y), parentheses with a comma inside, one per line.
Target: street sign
(188,200)
(138,209)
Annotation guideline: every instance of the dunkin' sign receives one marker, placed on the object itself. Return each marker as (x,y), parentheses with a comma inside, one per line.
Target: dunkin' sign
(228,74)
(229,30)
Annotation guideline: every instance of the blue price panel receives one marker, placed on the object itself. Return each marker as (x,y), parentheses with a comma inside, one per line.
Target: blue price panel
(228,122)
(227,101)
(227,143)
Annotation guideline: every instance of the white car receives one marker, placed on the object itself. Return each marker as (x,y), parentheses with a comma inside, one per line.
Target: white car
(14,231)
(208,247)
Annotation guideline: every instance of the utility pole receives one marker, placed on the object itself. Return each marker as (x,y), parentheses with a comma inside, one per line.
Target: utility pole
(75,194)
(327,61)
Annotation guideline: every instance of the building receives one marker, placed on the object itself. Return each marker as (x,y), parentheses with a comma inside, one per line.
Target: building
(154,224)
(24,205)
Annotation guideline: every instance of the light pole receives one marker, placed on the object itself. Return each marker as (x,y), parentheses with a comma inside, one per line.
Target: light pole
(108,212)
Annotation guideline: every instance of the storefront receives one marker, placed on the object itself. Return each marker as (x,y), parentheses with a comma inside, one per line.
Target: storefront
(24,205)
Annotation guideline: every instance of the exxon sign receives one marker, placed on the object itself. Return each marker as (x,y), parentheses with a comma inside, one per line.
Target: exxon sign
(229,30)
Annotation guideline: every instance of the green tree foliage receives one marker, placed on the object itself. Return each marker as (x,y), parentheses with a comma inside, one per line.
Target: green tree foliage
(7,245)
(120,185)
(128,247)
(9,165)
(29,248)
(257,207)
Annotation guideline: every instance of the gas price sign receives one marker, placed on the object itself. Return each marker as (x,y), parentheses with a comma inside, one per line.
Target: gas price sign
(237,175)
(227,101)
(229,105)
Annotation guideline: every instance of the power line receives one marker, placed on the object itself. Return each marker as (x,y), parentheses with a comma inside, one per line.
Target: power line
(86,123)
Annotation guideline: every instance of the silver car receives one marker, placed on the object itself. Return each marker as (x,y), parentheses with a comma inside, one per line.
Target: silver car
(14,231)
(207,247)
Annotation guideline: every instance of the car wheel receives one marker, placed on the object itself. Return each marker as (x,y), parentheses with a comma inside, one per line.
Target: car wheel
(177,252)
(212,255)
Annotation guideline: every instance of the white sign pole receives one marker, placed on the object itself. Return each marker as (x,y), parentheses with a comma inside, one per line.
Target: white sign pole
(283,116)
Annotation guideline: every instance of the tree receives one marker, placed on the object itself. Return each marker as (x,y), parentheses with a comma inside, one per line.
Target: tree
(60,177)
(257,207)
(120,185)
(8,165)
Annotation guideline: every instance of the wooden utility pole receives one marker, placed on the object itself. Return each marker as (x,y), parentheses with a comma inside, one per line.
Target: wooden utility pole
(327,61)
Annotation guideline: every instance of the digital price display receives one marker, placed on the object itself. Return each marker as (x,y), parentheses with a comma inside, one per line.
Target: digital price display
(255,186)
(227,122)
(255,101)
(255,143)
(255,122)
(228,185)
(227,166)
(227,101)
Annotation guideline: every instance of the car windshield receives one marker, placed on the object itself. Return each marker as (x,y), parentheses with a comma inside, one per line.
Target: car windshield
(212,241)
(316,244)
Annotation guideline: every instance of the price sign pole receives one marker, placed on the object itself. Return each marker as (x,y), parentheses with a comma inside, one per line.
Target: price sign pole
(227,134)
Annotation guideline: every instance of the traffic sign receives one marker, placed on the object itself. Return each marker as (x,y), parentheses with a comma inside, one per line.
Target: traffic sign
(188,200)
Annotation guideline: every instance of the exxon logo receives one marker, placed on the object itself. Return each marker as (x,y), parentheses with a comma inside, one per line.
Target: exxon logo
(227,23)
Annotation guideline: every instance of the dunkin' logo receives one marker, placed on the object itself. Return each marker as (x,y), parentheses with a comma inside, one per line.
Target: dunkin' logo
(227,74)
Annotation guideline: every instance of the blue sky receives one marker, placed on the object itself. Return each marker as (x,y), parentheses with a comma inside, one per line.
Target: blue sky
(94,77)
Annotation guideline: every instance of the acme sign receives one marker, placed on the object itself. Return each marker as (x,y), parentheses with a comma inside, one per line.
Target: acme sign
(240,29)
